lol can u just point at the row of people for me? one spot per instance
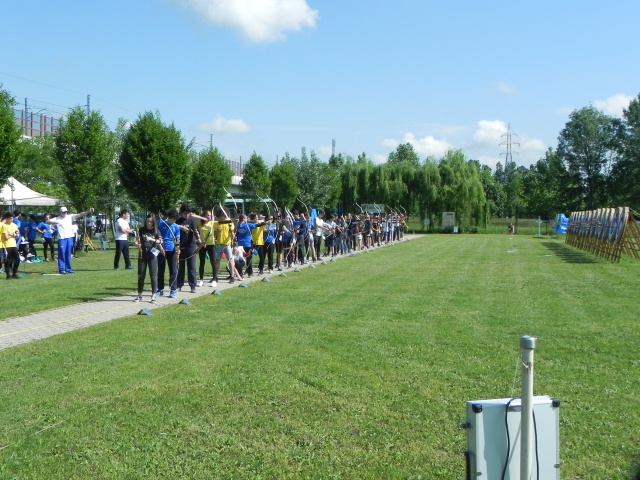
(173, 243)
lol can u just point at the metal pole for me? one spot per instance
(527, 345)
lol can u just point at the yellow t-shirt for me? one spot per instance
(257, 235)
(206, 233)
(223, 231)
(10, 228)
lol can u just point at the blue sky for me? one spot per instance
(272, 76)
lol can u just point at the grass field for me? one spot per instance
(357, 369)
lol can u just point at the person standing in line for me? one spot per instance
(9, 233)
(270, 231)
(47, 236)
(189, 241)
(302, 236)
(224, 229)
(149, 247)
(64, 224)
(122, 240)
(170, 233)
(243, 237)
(318, 233)
(257, 239)
(329, 242)
(205, 229)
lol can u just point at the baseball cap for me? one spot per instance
(63, 209)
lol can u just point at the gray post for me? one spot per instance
(527, 345)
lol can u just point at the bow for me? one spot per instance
(265, 202)
(232, 198)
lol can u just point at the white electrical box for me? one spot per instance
(493, 439)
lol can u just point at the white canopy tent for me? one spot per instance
(16, 194)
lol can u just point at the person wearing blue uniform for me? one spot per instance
(47, 236)
(170, 233)
(270, 231)
(300, 229)
(32, 233)
(245, 240)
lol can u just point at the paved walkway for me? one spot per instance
(16, 331)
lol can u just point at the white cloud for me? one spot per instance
(489, 132)
(505, 88)
(425, 146)
(488, 145)
(224, 125)
(613, 105)
(326, 150)
(257, 20)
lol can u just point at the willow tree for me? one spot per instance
(154, 163)
(427, 191)
(461, 189)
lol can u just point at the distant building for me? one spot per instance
(35, 124)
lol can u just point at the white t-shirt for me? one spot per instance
(65, 226)
(318, 227)
(121, 225)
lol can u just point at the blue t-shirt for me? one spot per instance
(47, 230)
(20, 225)
(32, 233)
(244, 234)
(170, 235)
(300, 227)
(270, 233)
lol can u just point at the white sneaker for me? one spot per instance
(200, 283)
(213, 283)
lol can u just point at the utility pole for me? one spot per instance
(508, 143)
(88, 105)
(509, 172)
(333, 147)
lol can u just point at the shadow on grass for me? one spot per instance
(570, 254)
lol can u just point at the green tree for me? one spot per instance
(462, 190)
(587, 147)
(210, 176)
(284, 183)
(493, 190)
(315, 180)
(427, 190)
(84, 149)
(115, 194)
(624, 185)
(154, 163)
(404, 154)
(10, 135)
(544, 187)
(349, 185)
(255, 177)
(37, 167)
